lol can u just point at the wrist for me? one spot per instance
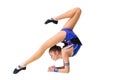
(55, 70)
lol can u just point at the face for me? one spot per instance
(54, 55)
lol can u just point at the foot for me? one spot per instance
(19, 68)
(51, 20)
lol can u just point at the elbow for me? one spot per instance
(66, 71)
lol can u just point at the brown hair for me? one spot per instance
(55, 48)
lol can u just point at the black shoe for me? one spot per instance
(51, 20)
(16, 70)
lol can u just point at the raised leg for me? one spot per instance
(73, 16)
(49, 43)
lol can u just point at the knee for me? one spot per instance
(78, 9)
(43, 47)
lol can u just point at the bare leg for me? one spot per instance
(49, 43)
(73, 14)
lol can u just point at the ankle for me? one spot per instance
(22, 65)
(55, 19)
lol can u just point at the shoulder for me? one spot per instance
(67, 52)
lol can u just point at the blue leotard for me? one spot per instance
(71, 38)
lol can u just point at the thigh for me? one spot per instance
(72, 21)
(60, 36)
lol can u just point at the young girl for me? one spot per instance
(65, 35)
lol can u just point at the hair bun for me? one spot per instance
(55, 48)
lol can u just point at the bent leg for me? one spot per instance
(49, 43)
(73, 14)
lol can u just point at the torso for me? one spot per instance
(68, 39)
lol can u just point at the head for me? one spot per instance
(55, 52)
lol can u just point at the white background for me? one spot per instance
(22, 31)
